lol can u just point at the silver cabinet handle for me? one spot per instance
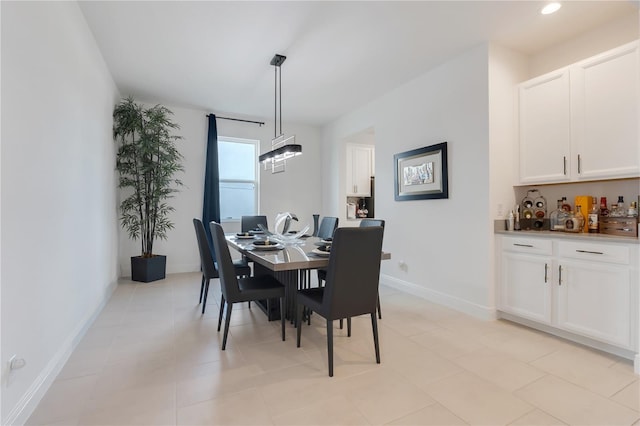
(564, 159)
(590, 252)
(560, 275)
(545, 273)
(523, 245)
(579, 164)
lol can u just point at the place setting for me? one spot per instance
(267, 245)
(323, 249)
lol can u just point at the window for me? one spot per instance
(238, 167)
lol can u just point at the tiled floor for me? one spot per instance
(151, 358)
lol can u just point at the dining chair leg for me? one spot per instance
(227, 320)
(300, 308)
(282, 316)
(201, 288)
(249, 304)
(341, 323)
(206, 293)
(330, 346)
(221, 311)
(379, 310)
(374, 325)
(348, 327)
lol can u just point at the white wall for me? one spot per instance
(298, 189)
(59, 229)
(443, 242)
(613, 34)
(507, 68)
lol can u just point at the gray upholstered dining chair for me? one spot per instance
(364, 223)
(208, 263)
(250, 223)
(328, 225)
(352, 284)
(234, 289)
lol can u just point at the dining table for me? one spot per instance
(290, 262)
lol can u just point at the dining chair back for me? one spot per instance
(351, 283)
(328, 225)
(234, 289)
(206, 257)
(208, 263)
(371, 222)
(249, 223)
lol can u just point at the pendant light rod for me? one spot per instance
(277, 61)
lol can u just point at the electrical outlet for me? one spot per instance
(14, 363)
(8, 371)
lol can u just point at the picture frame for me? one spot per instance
(422, 173)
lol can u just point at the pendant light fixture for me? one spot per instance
(282, 147)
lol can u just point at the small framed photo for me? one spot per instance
(421, 174)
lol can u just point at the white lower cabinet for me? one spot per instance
(527, 289)
(594, 300)
(584, 288)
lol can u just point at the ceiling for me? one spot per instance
(340, 55)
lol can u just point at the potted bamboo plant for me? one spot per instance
(147, 160)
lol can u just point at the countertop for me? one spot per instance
(570, 236)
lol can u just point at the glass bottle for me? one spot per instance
(633, 210)
(557, 219)
(566, 206)
(621, 210)
(614, 210)
(604, 211)
(570, 222)
(593, 222)
(579, 219)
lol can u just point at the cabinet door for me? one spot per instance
(594, 300)
(525, 286)
(359, 170)
(545, 130)
(605, 107)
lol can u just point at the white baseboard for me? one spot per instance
(30, 400)
(636, 364)
(483, 312)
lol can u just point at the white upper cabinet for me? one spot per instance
(581, 122)
(360, 160)
(605, 114)
(545, 131)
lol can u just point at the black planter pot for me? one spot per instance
(147, 269)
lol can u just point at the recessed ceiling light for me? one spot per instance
(551, 8)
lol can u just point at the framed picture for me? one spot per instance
(421, 174)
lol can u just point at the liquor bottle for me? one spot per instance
(604, 211)
(579, 218)
(614, 210)
(633, 210)
(621, 212)
(557, 219)
(594, 223)
(566, 206)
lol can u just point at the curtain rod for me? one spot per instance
(259, 123)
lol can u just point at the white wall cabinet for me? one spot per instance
(360, 168)
(545, 130)
(584, 288)
(581, 122)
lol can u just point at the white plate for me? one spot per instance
(321, 253)
(268, 248)
(245, 237)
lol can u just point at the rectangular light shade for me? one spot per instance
(281, 153)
